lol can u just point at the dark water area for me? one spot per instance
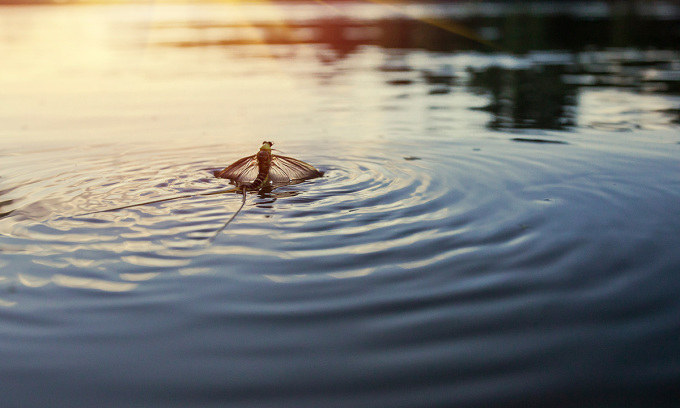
(497, 224)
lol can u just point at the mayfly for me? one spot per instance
(265, 167)
(252, 173)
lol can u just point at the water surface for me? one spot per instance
(495, 227)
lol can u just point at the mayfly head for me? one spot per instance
(266, 146)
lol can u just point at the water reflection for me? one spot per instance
(89, 283)
(75, 282)
(555, 52)
(515, 28)
(527, 98)
(291, 278)
(478, 257)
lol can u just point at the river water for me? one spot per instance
(495, 226)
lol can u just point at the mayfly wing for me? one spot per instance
(285, 169)
(242, 171)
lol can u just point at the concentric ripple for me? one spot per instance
(383, 210)
(364, 210)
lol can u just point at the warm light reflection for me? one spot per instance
(32, 281)
(358, 273)
(449, 26)
(374, 247)
(50, 263)
(7, 303)
(352, 274)
(193, 271)
(285, 278)
(154, 262)
(138, 277)
(439, 258)
(89, 283)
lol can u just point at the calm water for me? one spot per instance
(496, 227)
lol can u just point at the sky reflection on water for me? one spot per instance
(80, 66)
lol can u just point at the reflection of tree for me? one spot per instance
(531, 98)
(517, 30)
(339, 36)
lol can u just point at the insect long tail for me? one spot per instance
(162, 200)
(243, 202)
(242, 189)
